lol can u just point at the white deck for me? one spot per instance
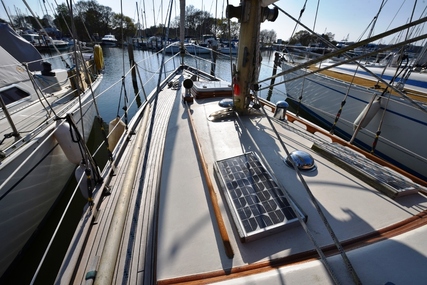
(187, 246)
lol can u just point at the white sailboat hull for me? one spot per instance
(403, 126)
(109, 43)
(36, 176)
(196, 49)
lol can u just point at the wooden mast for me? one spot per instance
(250, 14)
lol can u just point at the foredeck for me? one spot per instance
(192, 250)
(172, 234)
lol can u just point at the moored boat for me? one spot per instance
(37, 103)
(230, 48)
(45, 43)
(109, 40)
(339, 96)
(189, 47)
(172, 48)
(356, 87)
(196, 49)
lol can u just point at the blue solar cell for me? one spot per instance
(258, 205)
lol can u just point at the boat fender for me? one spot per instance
(69, 147)
(98, 57)
(87, 182)
(117, 128)
(370, 114)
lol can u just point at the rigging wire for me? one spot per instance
(147, 81)
(78, 55)
(402, 94)
(38, 92)
(307, 230)
(291, 56)
(232, 68)
(315, 17)
(322, 256)
(123, 86)
(396, 74)
(229, 41)
(36, 273)
(46, 34)
(312, 198)
(343, 102)
(85, 155)
(84, 25)
(346, 49)
(354, 59)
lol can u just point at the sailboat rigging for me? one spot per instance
(207, 191)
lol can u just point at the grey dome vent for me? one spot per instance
(302, 159)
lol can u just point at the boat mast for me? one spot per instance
(137, 33)
(182, 29)
(250, 14)
(154, 15)
(7, 13)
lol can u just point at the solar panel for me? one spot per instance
(255, 200)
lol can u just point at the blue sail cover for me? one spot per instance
(19, 47)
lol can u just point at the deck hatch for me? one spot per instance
(379, 177)
(256, 202)
(210, 89)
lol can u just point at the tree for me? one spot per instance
(198, 22)
(330, 36)
(190, 20)
(63, 19)
(268, 36)
(93, 17)
(222, 31)
(302, 37)
(129, 28)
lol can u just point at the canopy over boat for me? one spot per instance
(19, 48)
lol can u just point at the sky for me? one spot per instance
(344, 18)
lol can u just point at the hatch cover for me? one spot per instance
(255, 200)
(210, 89)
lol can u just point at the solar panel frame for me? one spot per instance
(255, 200)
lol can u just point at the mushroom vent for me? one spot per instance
(302, 159)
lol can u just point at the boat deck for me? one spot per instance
(30, 117)
(172, 234)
